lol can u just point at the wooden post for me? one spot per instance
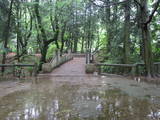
(158, 68)
(137, 70)
(87, 57)
(134, 71)
(14, 70)
(99, 69)
(69, 51)
(92, 58)
(35, 69)
(57, 56)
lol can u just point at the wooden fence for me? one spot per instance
(135, 68)
(34, 70)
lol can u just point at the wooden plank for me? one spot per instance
(135, 67)
(157, 63)
(17, 65)
(35, 67)
(121, 65)
(7, 65)
(24, 65)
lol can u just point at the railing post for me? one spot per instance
(92, 58)
(35, 69)
(137, 70)
(14, 70)
(87, 57)
(98, 69)
(134, 70)
(57, 56)
(69, 51)
(158, 65)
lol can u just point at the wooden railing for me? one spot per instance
(56, 62)
(78, 54)
(135, 70)
(14, 71)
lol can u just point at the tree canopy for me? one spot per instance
(119, 31)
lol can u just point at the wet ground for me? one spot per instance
(69, 94)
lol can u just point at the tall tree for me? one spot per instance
(126, 35)
(45, 40)
(145, 20)
(5, 35)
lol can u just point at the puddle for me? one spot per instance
(69, 98)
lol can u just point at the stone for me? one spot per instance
(46, 67)
(90, 68)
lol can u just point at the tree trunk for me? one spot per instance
(57, 32)
(146, 38)
(108, 26)
(44, 37)
(43, 56)
(6, 35)
(126, 36)
(62, 39)
(75, 43)
(19, 34)
(148, 57)
(82, 47)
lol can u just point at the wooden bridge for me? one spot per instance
(75, 61)
(76, 64)
(75, 67)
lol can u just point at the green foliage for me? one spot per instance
(51, 52)
(87, 27)
(29, 59)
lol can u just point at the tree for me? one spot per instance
(5, 35)
(45, 40)
(126, 36)
(145, 20)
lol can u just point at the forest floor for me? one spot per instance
(69, 94)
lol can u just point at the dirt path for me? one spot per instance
(75, 67)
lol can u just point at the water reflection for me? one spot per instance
(75, 102)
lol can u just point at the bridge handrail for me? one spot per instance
(121, 65)
(56, 61)
(17, 65)
(35, 67)
(134, 67)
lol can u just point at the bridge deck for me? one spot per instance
(75, 67)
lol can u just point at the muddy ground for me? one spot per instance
(69, 94)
